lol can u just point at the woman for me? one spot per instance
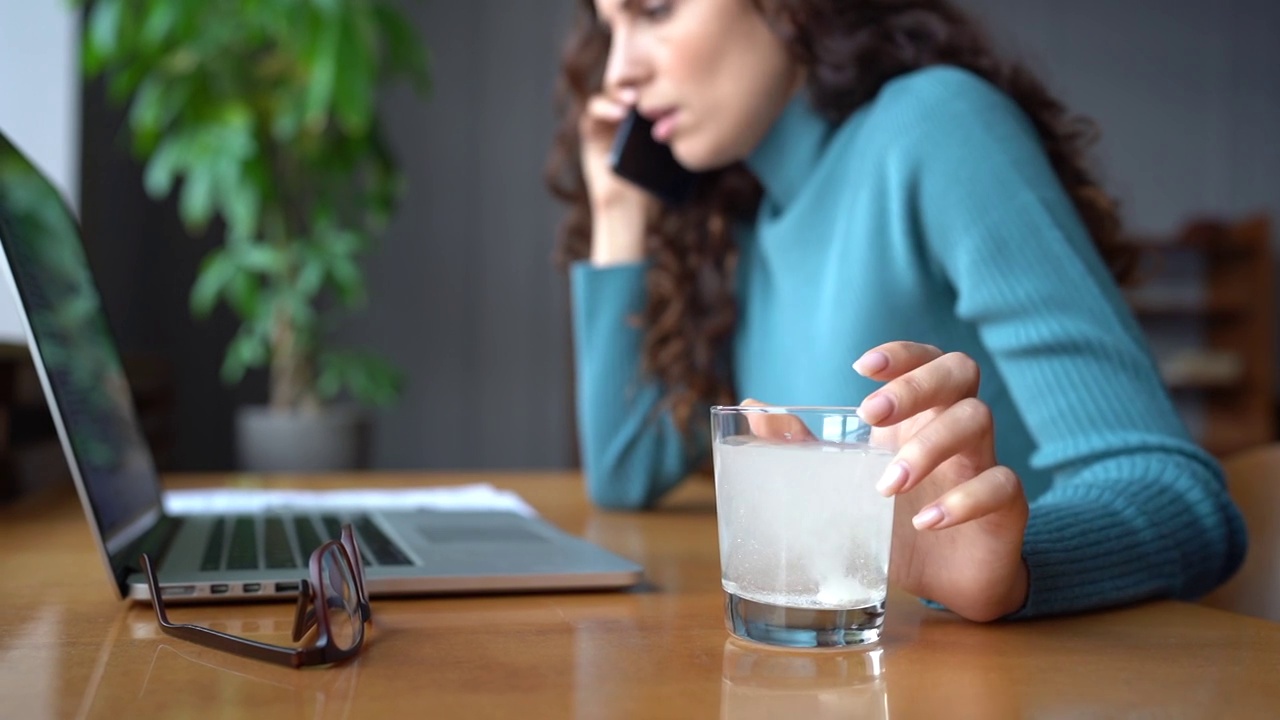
(879, 188)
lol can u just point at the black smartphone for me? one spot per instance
(637, 157)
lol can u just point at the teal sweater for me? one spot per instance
(932, 215)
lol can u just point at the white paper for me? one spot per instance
(221, 501)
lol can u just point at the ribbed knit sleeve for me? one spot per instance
(631, 451)
(1136, 509)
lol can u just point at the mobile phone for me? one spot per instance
(638, 158)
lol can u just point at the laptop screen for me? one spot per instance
(73, 344)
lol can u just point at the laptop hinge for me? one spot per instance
(154, 542)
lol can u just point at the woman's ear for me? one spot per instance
(780, 15)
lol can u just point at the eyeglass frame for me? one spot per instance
(308, 614)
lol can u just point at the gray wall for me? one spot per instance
(1186, 92)
(463, 294)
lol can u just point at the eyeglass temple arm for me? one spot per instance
(291, 657)
(357, 567)
(304, 617)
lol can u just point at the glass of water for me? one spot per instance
(804, 536)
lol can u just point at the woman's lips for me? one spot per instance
(664, 125)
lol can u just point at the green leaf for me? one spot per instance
(301, 310)
(195, 203)
(242, 207)
(161, 18)
(289, 109)
(162, 168)
(248, 350)
(322, 64)
(356, 75)
(311, 276)
(182, 61)
(103, 30)
(328, 386)
(156, 103)
(261, 258)
(123, 82)
(386, 183)
(342, 242)
(243, 293)
(405, 51)
(368, 378)
(347, 279)
(216, 270)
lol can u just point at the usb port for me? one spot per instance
(288, 587)
(251, 587)
(177, 590)
(219, 589)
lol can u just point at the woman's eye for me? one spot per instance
(654, 10)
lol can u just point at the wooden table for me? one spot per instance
(69, 649)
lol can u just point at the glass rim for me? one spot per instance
(786, 409)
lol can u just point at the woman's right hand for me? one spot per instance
(618, 208)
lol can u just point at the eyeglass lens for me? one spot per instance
(338, 593)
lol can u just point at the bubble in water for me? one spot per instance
(801, 524)
(841, 591)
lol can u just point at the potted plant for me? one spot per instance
(261, 117)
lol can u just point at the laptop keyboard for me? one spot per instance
(213, 550)
(253, 545)
(276, 550)
(243, 553)
(375, 543)
(306, 532)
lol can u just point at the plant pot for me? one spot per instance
(330, 438)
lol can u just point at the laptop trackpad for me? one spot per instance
(486, 543)
(483, 532)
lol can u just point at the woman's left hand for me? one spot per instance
(959, 517)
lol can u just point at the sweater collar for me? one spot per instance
(784, 160)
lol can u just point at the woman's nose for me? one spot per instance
(626, 67)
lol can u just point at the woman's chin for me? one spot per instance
(692, 157)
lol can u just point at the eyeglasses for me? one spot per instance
(334, 602)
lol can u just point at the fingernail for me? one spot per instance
(927, 518)
(871, 363)
(876, 409)
(627, 95)
(895, 476)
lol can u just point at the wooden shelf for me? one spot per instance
(1230, 315)
(1216, 307)
(1211, 237)
(1206, 384)
(1224, 435)
(1204, 369)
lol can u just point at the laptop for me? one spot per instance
(240, 557)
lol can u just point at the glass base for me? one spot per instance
(802, 627)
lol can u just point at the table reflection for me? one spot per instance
(30, 664)
(761, 682)
(167, 677)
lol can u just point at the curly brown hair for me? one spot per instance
(850, 49)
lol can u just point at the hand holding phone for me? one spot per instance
(638, 158)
